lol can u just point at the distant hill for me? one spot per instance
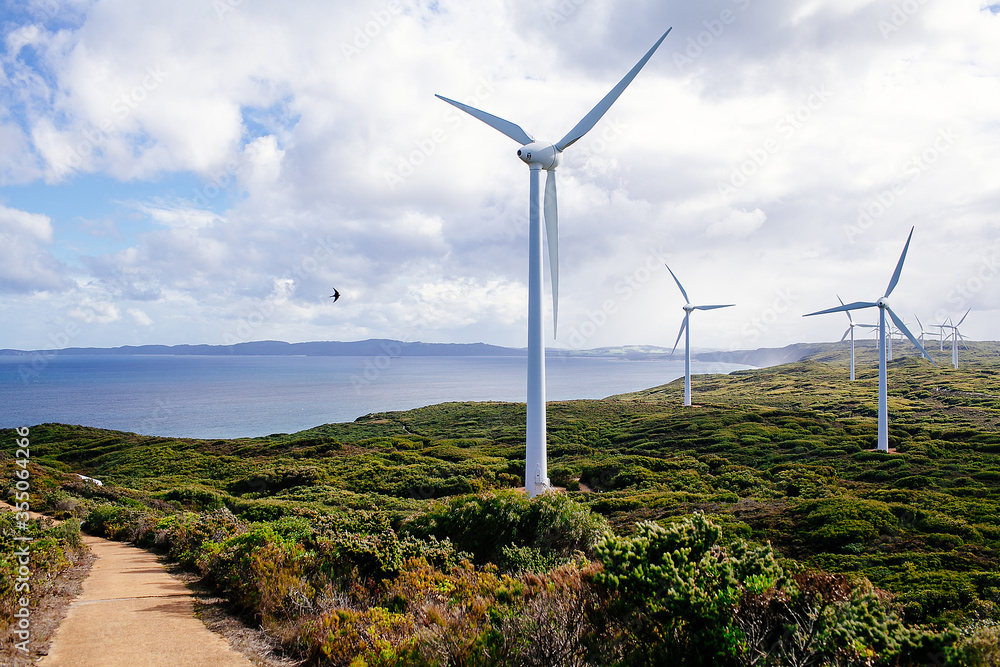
(361, 348)
(381, 346)
(767, 356)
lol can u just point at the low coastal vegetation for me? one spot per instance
(757, 528)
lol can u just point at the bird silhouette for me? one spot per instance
(335, 295)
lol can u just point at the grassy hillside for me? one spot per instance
(780, 456)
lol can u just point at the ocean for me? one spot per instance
(245, 396)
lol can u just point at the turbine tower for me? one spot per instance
(922, 332)
(850, 330)
(883, 307)
(955, 336)
(539, 155)
(686, 332)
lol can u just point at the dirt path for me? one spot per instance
(132, 613)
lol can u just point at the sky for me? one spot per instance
(208, 171)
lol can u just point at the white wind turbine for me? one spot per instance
(850, 330)
(923, 333)
(955, 336)
(883, 307)
(539, 155)
(686, 332)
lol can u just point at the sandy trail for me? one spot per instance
(132, 613)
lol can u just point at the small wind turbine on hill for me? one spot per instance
(686, 332)
(850, 330)
(922, 332)
(955, 336)
(883, 307)
(539, 155)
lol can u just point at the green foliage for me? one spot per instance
(52, 550)
(782, 454)
(487, 523)
(677, 589)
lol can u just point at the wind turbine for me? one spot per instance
(539, 155)
(850, 330)
(955, 336)
(883, 307)
(686, 332)
(922, 332)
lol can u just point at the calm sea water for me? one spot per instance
(234, 396)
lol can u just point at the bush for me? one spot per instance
(675, 590)
(487, 523)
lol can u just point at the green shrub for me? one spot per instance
(675, 590)
(486, 523)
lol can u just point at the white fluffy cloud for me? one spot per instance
(26, 264)
(773, 153)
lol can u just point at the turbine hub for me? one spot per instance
(688, 307)
(882, 303)
(538, 152)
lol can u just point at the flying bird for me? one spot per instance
(335, 295)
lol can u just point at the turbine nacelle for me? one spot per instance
(688, 307)
(544, 155)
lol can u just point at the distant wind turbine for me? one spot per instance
(922, 332)
(850, 330)
(539, 155)
(686, 332)
(955, 336)
(883, 307)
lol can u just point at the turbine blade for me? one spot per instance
(683, 293)
(680, 333)
(902, 327)
(728, 305)
(963, 317)
(505, 126)
(588, 121)
(552, 240)
(846, 312)
(918, 323)
(899, 267)
(850, 306)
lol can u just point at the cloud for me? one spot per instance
(92, 311)
(26, 265)
(140, 317)
(738, 223)
(324, 159)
